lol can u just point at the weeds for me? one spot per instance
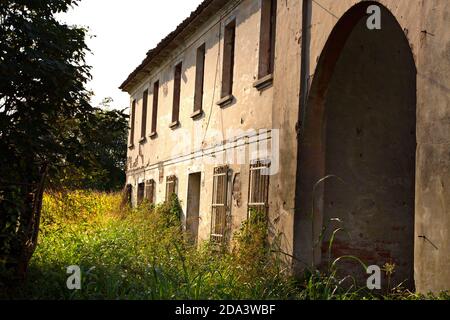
(143, 254)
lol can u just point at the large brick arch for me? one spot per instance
(344, 97)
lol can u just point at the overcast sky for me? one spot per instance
(124, 31)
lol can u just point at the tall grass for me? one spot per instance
(144, 254)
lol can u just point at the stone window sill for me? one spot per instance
(143, 140)
(264, 82)
(225, 101)
(174, 125)
(197, 114)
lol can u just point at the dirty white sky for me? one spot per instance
(124, 31)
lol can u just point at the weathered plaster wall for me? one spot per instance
(178, 151)
(432, 262)
(425, 25)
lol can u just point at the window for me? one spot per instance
(144, 115)
(267, 43)
(133, 114)
(171, 187)
(258, 195)
(150, 191)
(128, 194)
(219, 204)
(199, 81)
(141, 190)
(176, 96)
(228, 63)
(155, 109)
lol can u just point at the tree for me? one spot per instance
(42, 89)
(100, 162)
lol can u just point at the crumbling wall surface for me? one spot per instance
(432, 252)
(284, 118)
(425, 26)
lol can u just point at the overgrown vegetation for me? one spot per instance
(144, 254)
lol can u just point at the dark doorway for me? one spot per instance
(193, 205)
(360, 133)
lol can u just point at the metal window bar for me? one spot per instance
(219, 205)
(258, 198)
(171, 186)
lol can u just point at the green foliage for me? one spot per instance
(143, 254)
(135, 254)
(42, 86)
(100, 162)
(47, 125)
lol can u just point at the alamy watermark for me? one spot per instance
(374, 20)
(74, 280)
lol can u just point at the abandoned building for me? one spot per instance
(312, 111)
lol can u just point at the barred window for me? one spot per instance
(150, 191)
(258, 195)
(171, 187)
(141, 190)
(219, 204)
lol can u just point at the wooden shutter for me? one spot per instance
(155, 107)
(132, 120)
(176, 94)
(267, 37)
(199, 78)
(141, 190)
(228, 59)
(150, 191)
(144, 114)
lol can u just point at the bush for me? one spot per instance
(141, 254)
(144, 254)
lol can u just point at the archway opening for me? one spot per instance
(360, 133)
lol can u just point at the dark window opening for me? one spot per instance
(267, 38)
(258, 195)
(144, 114)
(133, 115)
(128, 194)
(199, 80)
(176, 95)
(150, 191)
(228, 59)
(140, 194)
(219, 205)
(155, 108)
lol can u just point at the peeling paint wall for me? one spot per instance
(201, 144)
(424, 24)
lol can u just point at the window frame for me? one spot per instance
(171, 180)
(260, 182)
(228, 64)
(132, 123)
(154, 132)
(267, 44)
(144, 116)
(177, 74)
(199, 81)
(220, 205)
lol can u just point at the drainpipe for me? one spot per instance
(300, 128)
(305, 59)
